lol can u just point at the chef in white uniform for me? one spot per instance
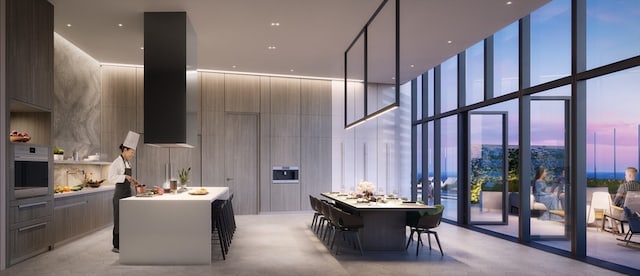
(120, 173)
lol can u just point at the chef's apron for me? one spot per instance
(123, 190)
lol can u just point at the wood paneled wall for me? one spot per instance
(119, 105)
(294, 130)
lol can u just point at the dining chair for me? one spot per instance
(344, 222)
(314, 206)
(424, 222)
(326, 218)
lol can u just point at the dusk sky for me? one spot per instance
(612, 100)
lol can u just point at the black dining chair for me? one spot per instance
(314, 202)
(344, 222)
(424, 222)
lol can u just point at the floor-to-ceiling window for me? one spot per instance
(613, 138)
(449, 166)
(573, 51)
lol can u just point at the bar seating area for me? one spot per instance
(223, 224)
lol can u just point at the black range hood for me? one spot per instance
(170, 80)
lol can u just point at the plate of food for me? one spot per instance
(201, 191)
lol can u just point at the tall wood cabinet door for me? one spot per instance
(30, 51)
(42, 49)
(241, 161)
(18, 51)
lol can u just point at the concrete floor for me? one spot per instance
(283, 244)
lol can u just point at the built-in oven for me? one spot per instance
(285, 175)
(30, 170)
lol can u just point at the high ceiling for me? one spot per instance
(311, 39)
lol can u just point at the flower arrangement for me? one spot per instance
(366, 188)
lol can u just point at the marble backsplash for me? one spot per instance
(77, 96)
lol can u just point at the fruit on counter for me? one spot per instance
(157, 190)
(66, 188)
(77, 187)
(16, 136)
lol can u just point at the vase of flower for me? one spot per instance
(366, 189)
(183, 175)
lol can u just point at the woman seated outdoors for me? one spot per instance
(549, 199)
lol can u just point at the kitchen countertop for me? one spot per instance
(169, 229)
(214, 193)
(85, 190)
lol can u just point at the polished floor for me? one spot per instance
(283, 244)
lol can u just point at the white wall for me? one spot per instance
(378, 151)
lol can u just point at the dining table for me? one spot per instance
(384, 220)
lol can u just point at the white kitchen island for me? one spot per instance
(169, 229)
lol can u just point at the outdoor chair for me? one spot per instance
(617, 215)
(634, 226)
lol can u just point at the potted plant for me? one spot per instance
(58, 153)
(183, 174)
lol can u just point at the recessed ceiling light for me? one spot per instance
(393, 78)
(271, 47)
(141, 47)
(412, 65)
(449, 41)
(120, 25)
(275, 24)
(509, 2)
(291, 70)
(233, 66)
(68, 25)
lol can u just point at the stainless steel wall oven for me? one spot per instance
(30, 170)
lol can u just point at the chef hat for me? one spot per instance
(132, 140)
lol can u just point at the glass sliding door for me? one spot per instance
(488, 167)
